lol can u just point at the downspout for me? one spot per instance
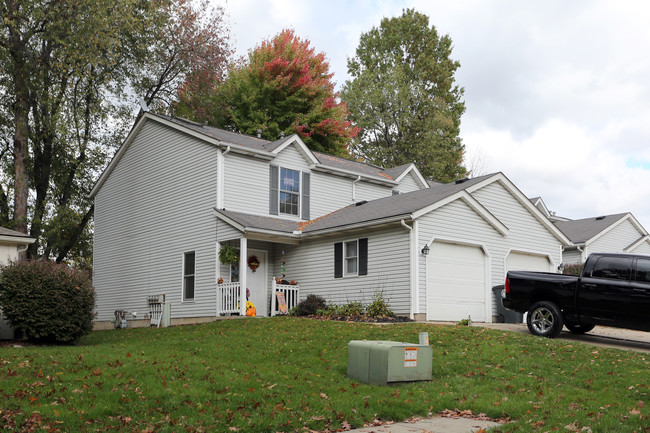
(412, 258)
(221, 177)
(354, 189)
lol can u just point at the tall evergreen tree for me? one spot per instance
(403, 97)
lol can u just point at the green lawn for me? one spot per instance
(288, 374)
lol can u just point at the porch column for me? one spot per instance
(243, 258)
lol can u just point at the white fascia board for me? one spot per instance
(540, 201)
(16, 240)
(521, 198)
(252, 230)
(636, 244)
(474, 204)
(418, 175)
(228, 220)
(377, 222)
(302, 147)
(352, 174)
(628, 217)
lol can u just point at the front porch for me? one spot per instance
(229, 298)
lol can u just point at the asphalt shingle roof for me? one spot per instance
(359, 213)
(580, 231)
(8, 232)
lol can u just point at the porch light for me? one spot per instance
(425, 250)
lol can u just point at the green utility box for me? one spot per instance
(381, 362)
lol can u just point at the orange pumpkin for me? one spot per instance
(251, 312)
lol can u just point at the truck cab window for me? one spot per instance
(643, 270)
(615, 268)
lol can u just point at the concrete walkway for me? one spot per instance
(432, 425)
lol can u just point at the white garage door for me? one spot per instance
(527, 262)
(455, 282)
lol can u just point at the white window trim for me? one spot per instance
(183, 299)
(345, 257)
(299, 193)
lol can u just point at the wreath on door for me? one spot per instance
(253, 263)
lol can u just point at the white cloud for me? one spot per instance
(557, 92)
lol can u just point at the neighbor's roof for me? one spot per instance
(582, 230)
(12, 233)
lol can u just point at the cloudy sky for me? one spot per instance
(557, 92)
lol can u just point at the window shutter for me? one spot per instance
(338, 260)
(305, 196)
(273, 189)
(363, 256)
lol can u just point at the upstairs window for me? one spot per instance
(289, 191)
(351, 257)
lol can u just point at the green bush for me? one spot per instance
(310, 305)
(46, 301)
(379, 307)
(573, 269)
(351, 309)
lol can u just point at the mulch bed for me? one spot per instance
(364, 319)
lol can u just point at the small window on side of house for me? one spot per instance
(351, 253)
(189, 270)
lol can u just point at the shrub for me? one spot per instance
(379, 307)
(354, 308)
(573, 269)
(46, 301)
(310, 305)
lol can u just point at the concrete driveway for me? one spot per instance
(600, 336)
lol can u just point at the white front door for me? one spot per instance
(257, 282)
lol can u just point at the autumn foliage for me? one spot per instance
(285, 87)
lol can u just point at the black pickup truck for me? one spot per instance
(613, 290)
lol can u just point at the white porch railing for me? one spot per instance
(228, 295)
(291, 296)
(228, 298)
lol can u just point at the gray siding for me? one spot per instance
(615, 240)
(155, 205)
(328, 193)
(312, 265)
(644, 248)
(409, 184)
(246, 184)
(371, 191)
(572, 257)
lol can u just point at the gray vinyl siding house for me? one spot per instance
(176, 192)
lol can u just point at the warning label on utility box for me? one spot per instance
(410, 357)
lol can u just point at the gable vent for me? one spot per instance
(600, 218)
(361, 203)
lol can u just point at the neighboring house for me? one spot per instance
(619, 233)
(12, 243)
(177, 191)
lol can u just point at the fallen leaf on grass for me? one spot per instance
(323, 396)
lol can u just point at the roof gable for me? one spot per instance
(302, 148)
(587, 230)
(400, 172)
(523, 200)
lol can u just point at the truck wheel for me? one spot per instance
(579, 328)
(544, 319)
